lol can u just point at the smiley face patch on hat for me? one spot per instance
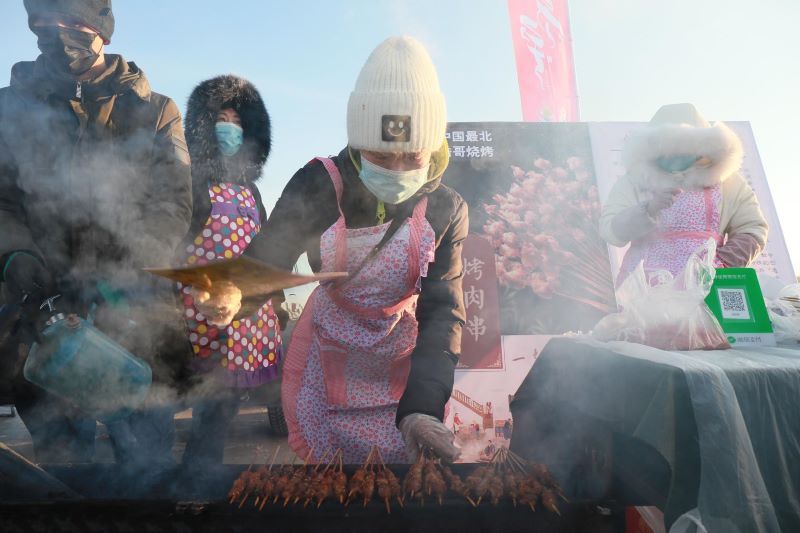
(396, 104)
(396, 128)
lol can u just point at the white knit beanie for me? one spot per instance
(396, 105)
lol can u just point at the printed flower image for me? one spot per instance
(535, 201)
(544, 229)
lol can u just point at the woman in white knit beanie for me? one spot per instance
(371, 359)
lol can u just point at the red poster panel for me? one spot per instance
(480, 339)
(543, 50)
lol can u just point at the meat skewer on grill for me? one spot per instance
(478, 483)
(496, 487)
(394, 487)
(547, 479)
(322, 487)
(510, 485)
(240, 485)
(312, 484)
(360, 480)
(412, 484)
(432, 480)
(508, 476)
(368, 487)
(282, 481)
(297, 481)
(251, 481)
(387, 484)
(340, 482)
(456, 485)
(384, 492)
(264, 487)
(549, 501)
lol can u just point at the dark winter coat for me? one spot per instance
(95, 179)
(307, 208)
(210, 166)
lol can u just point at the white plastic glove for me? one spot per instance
(662, 199)
(219, 305)
(638, 220)
(425, 431)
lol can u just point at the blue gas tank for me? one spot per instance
(81, 364)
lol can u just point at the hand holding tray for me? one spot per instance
(252, 277)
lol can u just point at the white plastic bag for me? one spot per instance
(665, 312)
(784, 312)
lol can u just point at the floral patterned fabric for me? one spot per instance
(350, 355)
(682, 229)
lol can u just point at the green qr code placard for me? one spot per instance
(733, 304)
(736, 300)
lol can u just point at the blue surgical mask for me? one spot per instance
(229, 137)
(392, 186)
(676, 163)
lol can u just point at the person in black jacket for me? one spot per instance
(378, 350)
(228, 134)
(94, 185)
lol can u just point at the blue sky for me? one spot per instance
(734, 59)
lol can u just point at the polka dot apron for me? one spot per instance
(247, 350)
(349, 359)
(681, 230)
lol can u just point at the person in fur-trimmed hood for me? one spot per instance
(681, 187)
(228, 134)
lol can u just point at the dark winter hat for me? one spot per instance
(201, 111)
(96, 14)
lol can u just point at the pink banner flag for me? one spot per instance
(543, 49)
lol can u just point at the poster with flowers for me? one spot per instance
(535, 265)
(533, 196)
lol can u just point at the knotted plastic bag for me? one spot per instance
(667, 312)
(784, 312)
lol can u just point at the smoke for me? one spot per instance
(105, 187)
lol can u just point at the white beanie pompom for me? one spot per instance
(397, 105)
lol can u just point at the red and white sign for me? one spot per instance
(543, 49)
(480, 337)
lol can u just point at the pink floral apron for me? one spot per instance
(248, 349)
(349, 359)
(682, 228)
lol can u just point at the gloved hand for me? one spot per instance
(25, 274)
(662, 199)
(424, 431)
(740, 250)
(632, 223)
(220, 304)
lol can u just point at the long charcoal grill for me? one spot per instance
(115, 501)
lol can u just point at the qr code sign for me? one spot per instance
(733, 304)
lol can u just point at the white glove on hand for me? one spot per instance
(425, 431)
(221, 304)
(661, 200)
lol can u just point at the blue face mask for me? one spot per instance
(676, 163)
(230, 137)
(392, 186)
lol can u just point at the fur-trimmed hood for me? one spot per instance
(679, 129)
(208, 163)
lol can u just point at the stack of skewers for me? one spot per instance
(508, 476)
(794, 301)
